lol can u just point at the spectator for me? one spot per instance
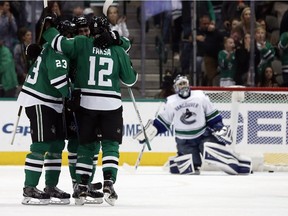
(78, 11)
(283, 45)
(167, 86)
(22, 64)
(8, 78)
(226, 62)
(213, 43)
(204, 22)
(8, 25)
(264, 53)
(37, 6)
(231, 10)
(117, 23)
(16, 7)
(268, 78)
(245, 22)
(234, 22)
(210, 40)
(242, 57)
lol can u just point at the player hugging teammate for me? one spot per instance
(90, 92)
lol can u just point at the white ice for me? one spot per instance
(151, 191)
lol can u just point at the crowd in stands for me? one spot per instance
(222, 35)
(17, 32)
(223, 42)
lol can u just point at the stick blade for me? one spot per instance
(106, 5)
(128, 168)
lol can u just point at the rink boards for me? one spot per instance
(260, 130)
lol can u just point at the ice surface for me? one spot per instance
(151, 191)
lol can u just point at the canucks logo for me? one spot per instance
(188, 117)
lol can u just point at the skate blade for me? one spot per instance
(34, 201)
(79, 201)
(90, 200)
(57, 201)
(110, 201)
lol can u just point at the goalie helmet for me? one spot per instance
(181, 86)
(99, 24)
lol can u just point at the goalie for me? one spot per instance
(199, 132)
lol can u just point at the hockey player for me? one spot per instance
(99, 69)
(68, 29)
(42, 96)
(199, 131)
(82, 26)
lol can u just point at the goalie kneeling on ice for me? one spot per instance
(225, 159)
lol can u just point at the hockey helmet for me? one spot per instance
(80, 22)
(66, 28)
(181, 86)
(99, 24)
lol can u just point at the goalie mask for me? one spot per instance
(99, 25)
(181, 86)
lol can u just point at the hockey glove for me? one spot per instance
(224, 135)
(33, 51)
(106, 39)
(151, 132)
(116, 38)
(51, 20)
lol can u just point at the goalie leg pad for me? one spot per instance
(182, 165)
(245, 165)
(173, 165)
(221, 157)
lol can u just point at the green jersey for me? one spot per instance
(46, 82)
(99, 72)
(227, 66)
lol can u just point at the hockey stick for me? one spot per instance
(45, 4)
(133, 169)
(16, 124)
(139, 118)
(125, 165)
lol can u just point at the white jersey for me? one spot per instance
(190, 116)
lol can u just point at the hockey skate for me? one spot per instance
(57, 196)
(33, 196)
(94, 196)
(110, 195)
(80, 194)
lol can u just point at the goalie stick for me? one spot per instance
(139, 118)
(133, 169)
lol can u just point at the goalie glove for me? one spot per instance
(151, 132)
(224, 135)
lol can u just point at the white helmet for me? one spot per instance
(181, 86)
